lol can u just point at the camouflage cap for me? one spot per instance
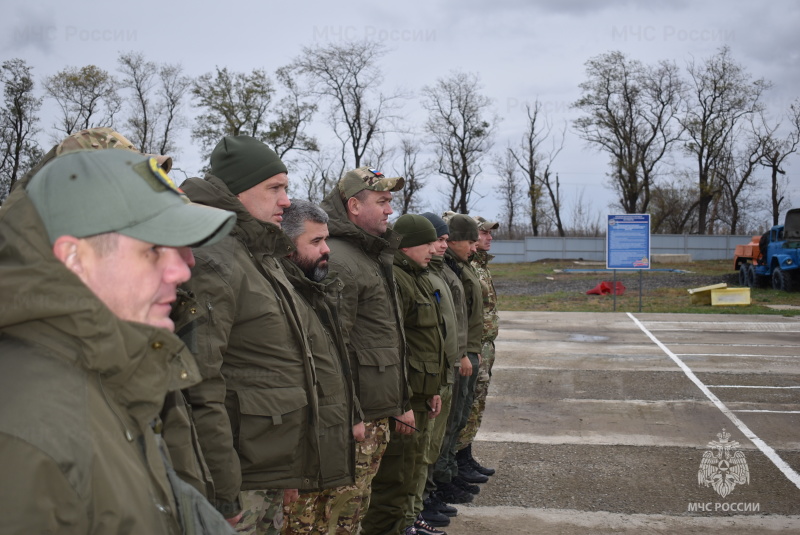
(105, 138)
(485, 224)
(366, 177)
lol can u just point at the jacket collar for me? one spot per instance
(258, 236)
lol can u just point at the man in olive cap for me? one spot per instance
(92, 249)
(480, 262)
(403, 470)
(257, 410)
(362, 253)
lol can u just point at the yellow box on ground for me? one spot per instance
(730, 297)
(702, 295)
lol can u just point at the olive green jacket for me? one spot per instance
(424, 327)
(454, 316)
(80, 395)
(369, 315)
(334, 381)
(473, 297)
(256, 411)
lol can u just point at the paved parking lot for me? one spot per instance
(600, 423)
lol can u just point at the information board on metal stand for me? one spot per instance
(628, 246)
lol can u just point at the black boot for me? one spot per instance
(466, 471)
(432, 515)
(476, 465)
(441, 506)
(463, 485)
(449, 493)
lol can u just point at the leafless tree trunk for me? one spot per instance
(461, 133)
(407, 201)
(348, 77)
(629, 110)
(775, 151)
(721, 96)
(18, 124)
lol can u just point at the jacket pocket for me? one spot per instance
(271, 427)
(423, 377)
(379, 379)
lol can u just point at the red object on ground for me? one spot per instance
(607, 288)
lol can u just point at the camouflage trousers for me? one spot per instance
(348, 504)
(262, 512)
(311, 513)
(467, 434)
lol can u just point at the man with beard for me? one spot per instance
(306, 224)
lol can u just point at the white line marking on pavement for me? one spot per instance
(787, 470)
(735, 355)
(771, 412)
(753, 386)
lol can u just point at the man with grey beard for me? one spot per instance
(306, 224)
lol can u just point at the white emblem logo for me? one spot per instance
(722, 467)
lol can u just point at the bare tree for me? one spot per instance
(415, 173)
(347, 76)
(316, 174)
(294, 113)
(158, 92)
(234, 104)
(673, 206)
(629, 111)
(18, 124)
(736, 178)
(87, 96)
(509, 188)
(535, 160)
(462, 129)
(775, 150)
(721, 96)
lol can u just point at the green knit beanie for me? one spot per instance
(462, 227)
(243, 162)
(415, 229)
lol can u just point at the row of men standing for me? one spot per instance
(299, 362)
(323, 395)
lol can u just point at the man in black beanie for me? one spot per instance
(257, 410)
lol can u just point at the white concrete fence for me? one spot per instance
(532, 249)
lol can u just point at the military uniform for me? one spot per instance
(257, 410)
(374, 338)
(480, 261)
(311, 512)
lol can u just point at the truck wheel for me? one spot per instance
(781, 280)
(743, 275)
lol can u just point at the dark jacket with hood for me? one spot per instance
(80, 395)
(256, 410)
(334, 382)
(369, 312)
(424, 327)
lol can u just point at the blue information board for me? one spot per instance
(628, 241)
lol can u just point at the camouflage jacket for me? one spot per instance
(480, 262)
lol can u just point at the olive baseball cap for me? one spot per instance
(90, 192)
(105, 138)
(366, 177)
(485, 224)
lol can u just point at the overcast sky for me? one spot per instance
(521, 50)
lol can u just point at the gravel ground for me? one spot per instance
(581, 282)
